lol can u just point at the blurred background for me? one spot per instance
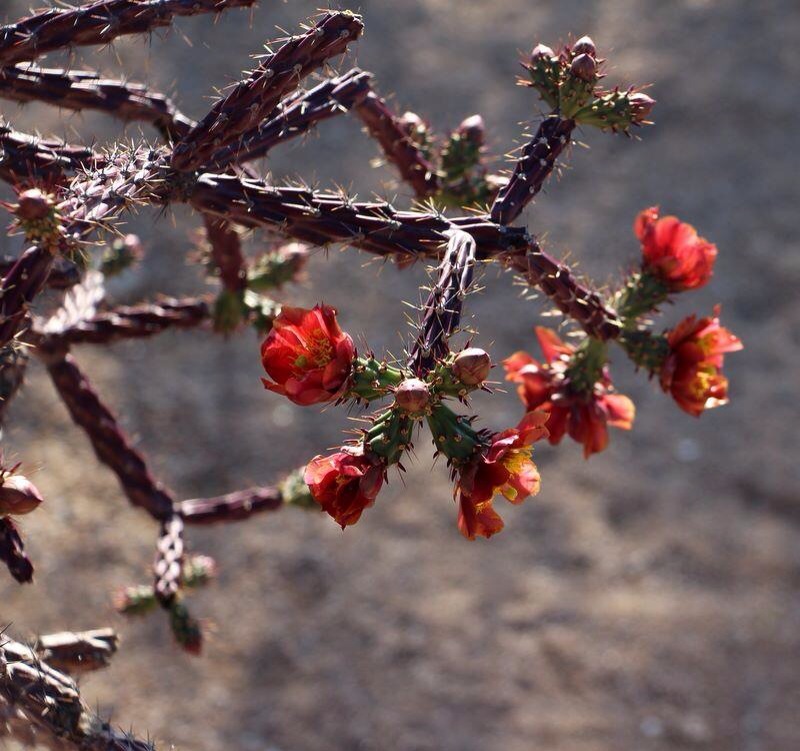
(646, 599)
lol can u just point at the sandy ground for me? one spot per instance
(648, 599)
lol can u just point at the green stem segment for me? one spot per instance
(372, 379)
(453, 434)
(646, 350)
(390, 435)
(587, 365)
(642, 294)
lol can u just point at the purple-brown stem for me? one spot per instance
(574, 299)
(130, 322)
(232, 507)
(168, 565)
(86, 90)
(98, 22)
(63, 273)
(50, 702)
(323, 217)
(77, 652)
(398, 147)
(441, 313)
(13, 366)
(226, 253)
(109, 441)
(295, 116)
(12, 552)
(533, 167)
(26, 278)
(25, 158)
(254, 99)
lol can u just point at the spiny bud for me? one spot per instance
(18, 496)
(33, 204)
(641, 105)
(584, 67)
(584, 46)
(186, 629)
(136, 600)
(295, 492)
(278, 267)
(472, 366)
(540, 51)
(412, 396)
(121, 255)
(473, 130)
(295, 256)
(227, 311)
(199, 570)
(415, 128)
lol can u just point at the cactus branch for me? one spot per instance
(50, 702)
(277, 75)
(26, 278)
(295, 116)
(63, 273)
(168, 566)
(78, 652)
(129, 322)
(110, 443)
(98, 22)
(232, 507)
(441, 313)
(574, 299)
(26, 158)
(12, 552)
(533, 167)
(86, 90)
(398, 147)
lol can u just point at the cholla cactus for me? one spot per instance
(70, 198)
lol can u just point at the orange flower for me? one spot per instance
(345, 483)
(504, 466)
(673, 251)
(584, 416)
(307, 355)
(692, 372)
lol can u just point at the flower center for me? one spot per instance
(319, 351)
(704, 382)
(517, 460)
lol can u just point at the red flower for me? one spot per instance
(673, 251)
(307, 355)
(344, 483)
(585, 416)
(504, 466)
(692, 372)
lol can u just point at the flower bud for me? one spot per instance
(584, 67)
(412, 395)
(540, 51)
(584, 46)
(18, 496)
(136, 600)
(294, 256)
(641, 106)
(473, 130)
(33, 204)
(472, 366)
(186, 629)
(123, 253)
(199, 570)
(414, 127)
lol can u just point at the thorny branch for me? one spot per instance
(82, 191)
(42, 705)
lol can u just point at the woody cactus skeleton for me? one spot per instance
(69, 198)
